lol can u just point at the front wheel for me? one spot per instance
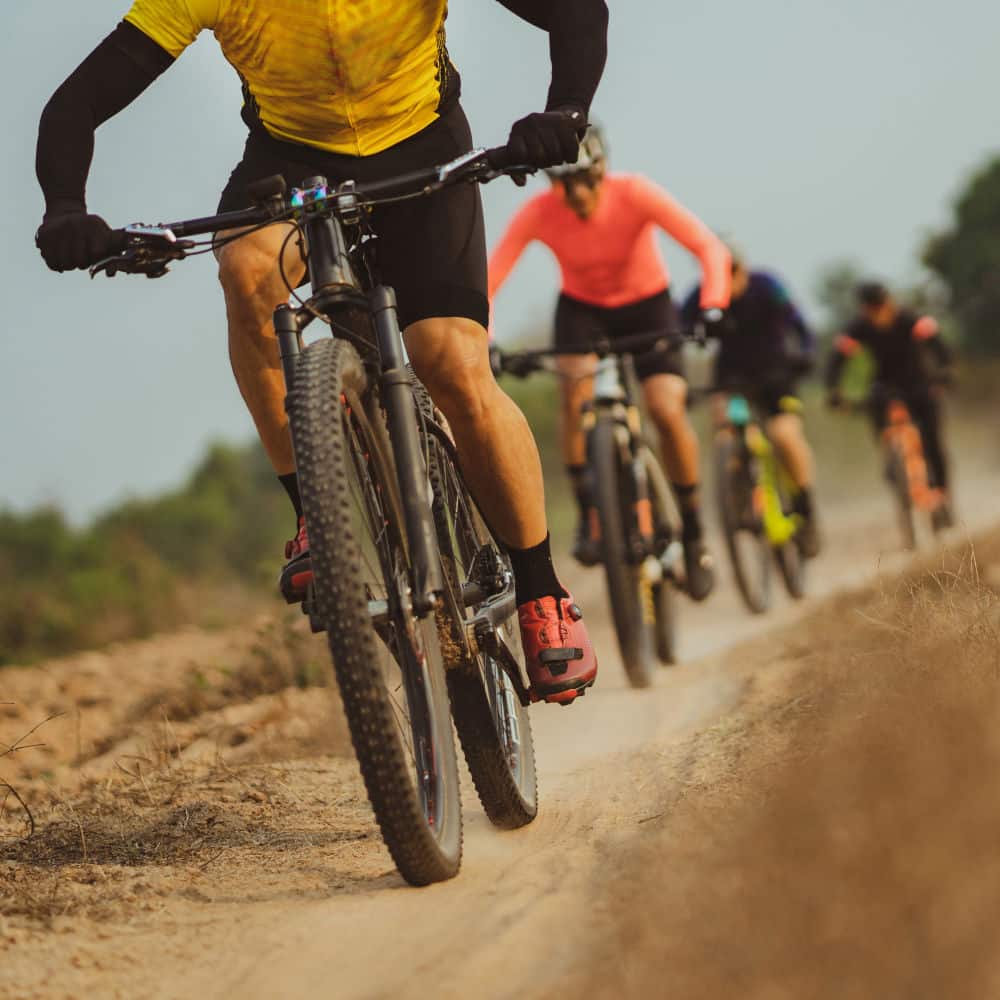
(791, 563)
(899, 482)
(388, 660)
(742, 525)
(629, 589)
(664, 591)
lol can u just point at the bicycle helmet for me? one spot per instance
(593, 154)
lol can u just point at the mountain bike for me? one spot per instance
(908, 476)
(415, 595)
(634, 518)
(755, 494)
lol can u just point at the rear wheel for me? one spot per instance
(491, 720)
(629, 589)
(387, 659)
(746, 542)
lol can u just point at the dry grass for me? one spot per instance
(206, 757)
(838, 837)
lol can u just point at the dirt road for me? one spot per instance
(207, 844)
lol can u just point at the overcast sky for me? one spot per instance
(805, 129)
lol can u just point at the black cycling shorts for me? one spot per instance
(431, 250)
(579, 324)
(771, 394)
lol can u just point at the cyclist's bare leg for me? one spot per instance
(500, 462)
(666, 401)
(251, 281)
(576, 389)
(495, 444)
(788, 436)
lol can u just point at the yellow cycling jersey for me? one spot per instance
(348, 76)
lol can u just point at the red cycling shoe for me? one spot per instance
(560, 659)
(297, 575)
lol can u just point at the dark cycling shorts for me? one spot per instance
(579, 324)
(431, 250)
(770, 396)
(923, 408)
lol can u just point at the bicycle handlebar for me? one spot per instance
(520, 364)
(148, 250)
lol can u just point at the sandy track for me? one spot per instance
(297, 898)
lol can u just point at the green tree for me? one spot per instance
(967, 259)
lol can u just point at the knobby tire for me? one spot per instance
(333, 451)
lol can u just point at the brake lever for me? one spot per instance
(140, 257)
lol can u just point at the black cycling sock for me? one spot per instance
(291, 484)
(691, 530)
(687, 500)
(580, 480)
(803, 503)
(534, 574)
(687, 496)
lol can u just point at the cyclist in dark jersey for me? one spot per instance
(912, 363)
(358, 91)
(765, 346)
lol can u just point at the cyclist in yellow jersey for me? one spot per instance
(356, 89)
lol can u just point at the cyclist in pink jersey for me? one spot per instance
(602, 230)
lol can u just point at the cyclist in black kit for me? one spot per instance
(912, 363)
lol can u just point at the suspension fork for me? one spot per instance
(414, 483)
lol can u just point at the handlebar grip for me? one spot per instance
(499, 158)
(117, 240)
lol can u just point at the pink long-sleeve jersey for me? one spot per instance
(612, 259)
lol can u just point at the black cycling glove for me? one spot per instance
(75, 240)
(547, 138)
(710, 323)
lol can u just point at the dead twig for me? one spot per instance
(11, 790)
(19, 744)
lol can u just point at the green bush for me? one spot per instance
(63, 588)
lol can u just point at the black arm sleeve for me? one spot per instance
(109, 79)
(578, 46)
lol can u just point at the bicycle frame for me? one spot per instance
(321, 212)
(779, 527)
(613, 393)
(335, 288)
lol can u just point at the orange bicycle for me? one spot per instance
(907, 472)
